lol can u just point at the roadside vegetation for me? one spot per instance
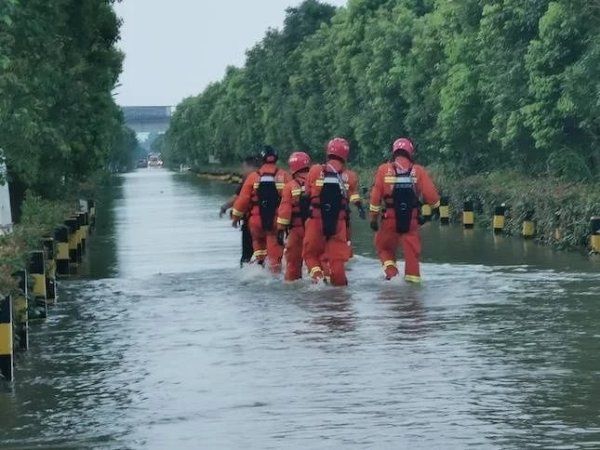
(60, 127)
(501, 97)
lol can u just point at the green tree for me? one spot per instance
(58, 67)
(478, 84)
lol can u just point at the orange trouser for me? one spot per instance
(293, 254)
(265, 245)
(334, 250)
(387, 241)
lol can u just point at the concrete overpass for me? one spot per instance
(146, 120)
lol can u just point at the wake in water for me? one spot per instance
(450, 282)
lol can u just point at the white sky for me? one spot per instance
(174, 48)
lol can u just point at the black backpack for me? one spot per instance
(268, 200)
(405, 200)
(332, 198)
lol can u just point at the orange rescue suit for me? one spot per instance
(291, 217)
(264, 242)
(387, 239)
(319, 248)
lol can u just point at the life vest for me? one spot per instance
(267, 198)
(331, 202)
(301, 208)
(403, 198)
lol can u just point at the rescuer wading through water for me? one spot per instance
(260, 197)
(331, 190)
(249, 165)
(293, 213)
(395, 198)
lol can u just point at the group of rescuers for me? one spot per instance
(304, 214)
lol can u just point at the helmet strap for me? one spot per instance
(337, 158)
(402, 153)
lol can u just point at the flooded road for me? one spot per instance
(168, 345)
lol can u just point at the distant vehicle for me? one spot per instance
(154, 160)
(142, 163)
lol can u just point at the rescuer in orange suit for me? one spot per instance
(353, 177)
(260, 197)
(249, 165)
(399, 187)
(293, 213)
(331, 190)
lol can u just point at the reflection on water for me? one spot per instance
(406, 309)
(168, 344)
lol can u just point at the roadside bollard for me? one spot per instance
(71, 224)
(595, 237)
(61, 235)
(528, 226)
(84, 208)
(468, 215)
(78, 253)
(21, 306)
(81, 231)
(499, 219)
(426, 212)
(92, 212)
(6, 339)
(37, 272)
(444, 211)
(79, 234)
(50, 251)
(86, 229)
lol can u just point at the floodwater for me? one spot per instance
(167, 344)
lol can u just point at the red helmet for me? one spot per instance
(404, 144)
(339, 147)
(298, 161)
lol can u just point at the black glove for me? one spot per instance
(361, 211)
(281, 237)
(375, 224)
(223, 210)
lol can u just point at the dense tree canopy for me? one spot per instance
(479, 84)
(58, 67)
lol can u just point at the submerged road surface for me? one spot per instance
(168, 345)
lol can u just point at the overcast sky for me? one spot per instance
(174, 48)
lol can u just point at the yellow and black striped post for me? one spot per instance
(61, 236)
(78, 253)
(468, 215)
(50, 253)
(92, 212)
(71, 224)
(6, 339)
(426, 212)
(499, 220)
(37, 272)
(82, 232)
(21, 307)
(595, 236)
(444, 211)
(528, 225)
(85, 228)
(79, 232)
